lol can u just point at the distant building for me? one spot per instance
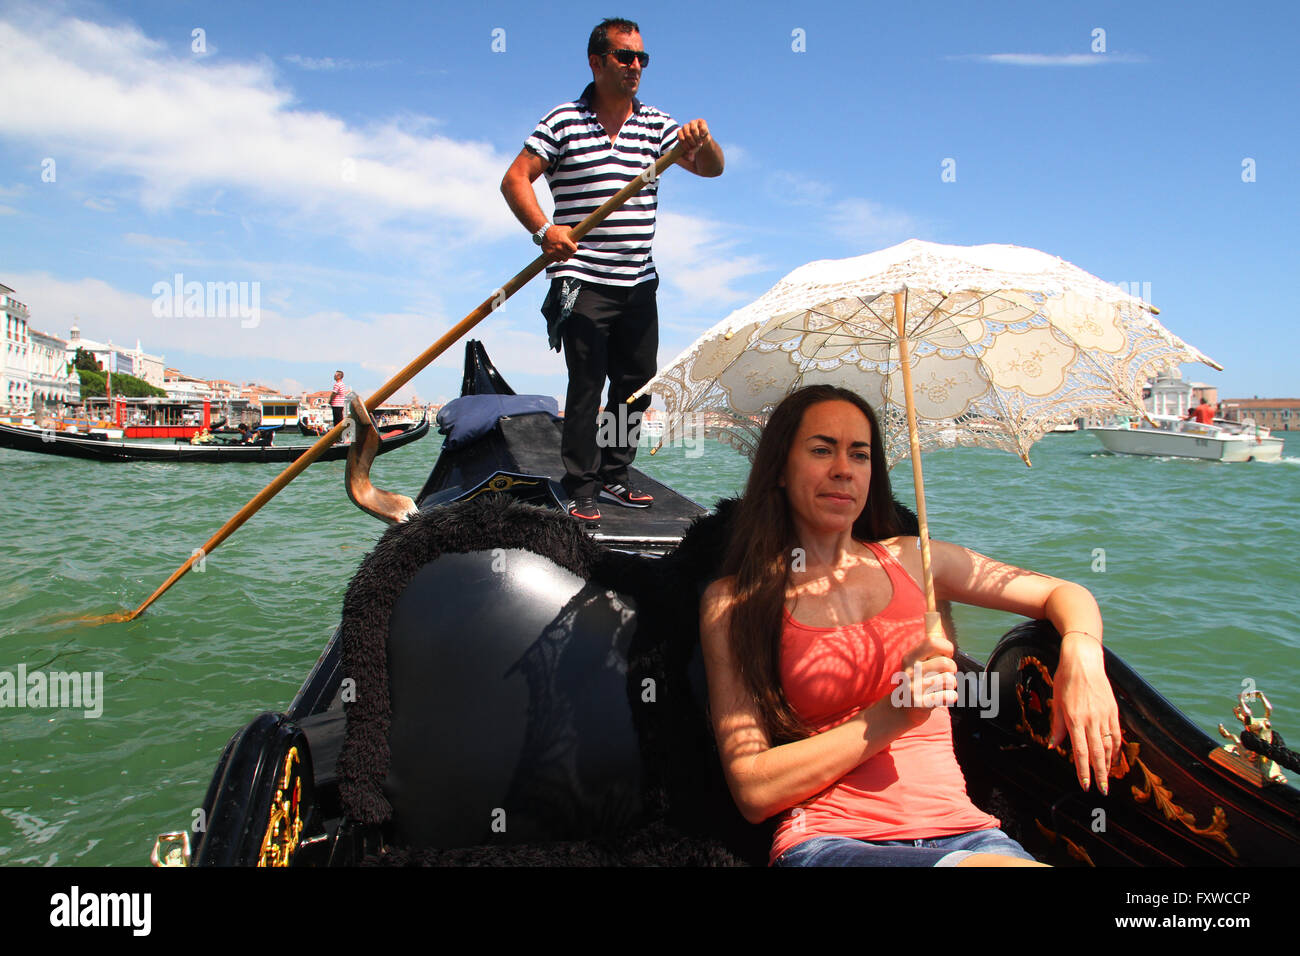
(1278, 414)
(119, 358)
(223, 388)
(54, 382)
(15, 379)
(1170, 394)
(257, 393)
(187, 390)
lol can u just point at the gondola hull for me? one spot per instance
(54, 443)
(505, 688)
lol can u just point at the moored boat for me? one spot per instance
(50, 442)
(505, 687)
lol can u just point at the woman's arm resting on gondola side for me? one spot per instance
(1085, 705)
(764, 780)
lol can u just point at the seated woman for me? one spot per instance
(819, 618)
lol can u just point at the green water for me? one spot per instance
(1198, 593)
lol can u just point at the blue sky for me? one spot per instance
(346, 158)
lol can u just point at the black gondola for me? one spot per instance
(48, 442)
(518, 690)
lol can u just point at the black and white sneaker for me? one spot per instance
(585, 510)
(628, 497)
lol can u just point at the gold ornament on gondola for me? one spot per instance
(284, 828)
(1255, 767)
(1072, 848)
(1034, 695)
(499, 484)
(1154, 790)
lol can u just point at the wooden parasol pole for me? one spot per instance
(933, 623)
(486, 308)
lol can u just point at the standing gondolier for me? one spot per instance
(338, 397)
(601, 303)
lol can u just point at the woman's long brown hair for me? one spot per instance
(761, 545)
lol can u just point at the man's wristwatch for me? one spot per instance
(540, 235)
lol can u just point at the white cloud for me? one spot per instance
(118, 103)
(518, 346)
(868, 225)
(694, 256)
(1053, 59)
(160, 243)
(330, 63)
(862, 223)
(796, 189)
(100, 205)
(290, 387)
(8, 211)
(735, 155)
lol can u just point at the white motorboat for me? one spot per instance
(1168, 436)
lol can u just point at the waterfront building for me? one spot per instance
(185, 389)
(1277, 414)
(1170, 394)
(119, 358)
(54, 382)
(15, 380)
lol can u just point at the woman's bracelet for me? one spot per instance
(1077, 631)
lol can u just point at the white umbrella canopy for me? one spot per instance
(1005, 342)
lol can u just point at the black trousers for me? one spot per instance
(612, 333)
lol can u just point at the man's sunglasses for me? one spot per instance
(626, 57)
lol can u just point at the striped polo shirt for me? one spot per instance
(583, 169)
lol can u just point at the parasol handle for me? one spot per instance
(932, 624)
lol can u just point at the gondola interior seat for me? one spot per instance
(526, 695)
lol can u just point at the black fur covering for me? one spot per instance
(690, 817)
(486, 522)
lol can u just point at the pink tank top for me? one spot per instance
(912, 789)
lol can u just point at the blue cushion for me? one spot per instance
(470, 417)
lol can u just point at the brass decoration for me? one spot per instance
(1078, 852)
(171, 849)
(285, 825)
(385, 505)
(500, 483)
(1034, 695)
(1154, 790)
(1122, 761)
(1255, 767)
(1033, 692)
(1072, 848)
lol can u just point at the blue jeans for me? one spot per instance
(936, 851)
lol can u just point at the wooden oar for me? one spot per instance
(486, 308)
